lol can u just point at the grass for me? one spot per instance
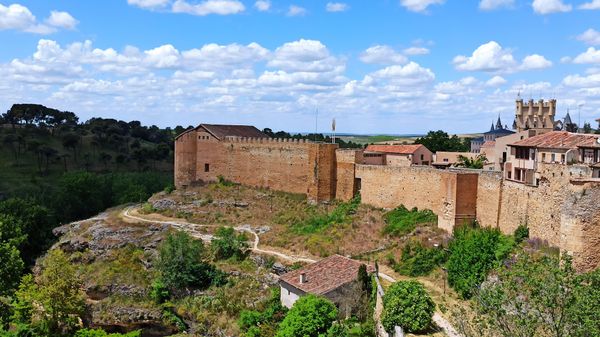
(401, 221)
(318, 222)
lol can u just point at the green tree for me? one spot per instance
(227, 244)
(181, 263)
(440, 141)
(472, 163)
(102, 333)
(11, 230)
(311, 316)
(53, 301)
(407, 304)
(11, 267)
(473, 252)
(587, 127)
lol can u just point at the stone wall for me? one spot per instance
(421, 187)
(489, 189)
(280, 164)
(346, 161)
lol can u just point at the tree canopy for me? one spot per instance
(311, 316)
(440, 141)
(407, 304)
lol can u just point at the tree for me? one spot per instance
(407, 304)
(181, 263)
(11, 267)
(587, 127)
(227, 243)
(473, 252)
(440, 141)
(472, 163)
(71, 141)
(53, 300)
(311, 316)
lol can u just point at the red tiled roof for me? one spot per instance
(222, 131)
(396, 149)
(559, 140)
(325, 275)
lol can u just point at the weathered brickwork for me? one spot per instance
(561, 210)
(421, 187)
(285, 165)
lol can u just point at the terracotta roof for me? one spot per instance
(222, 131)
(559, 140)
(396, 149)
(489, 143)
(325, 275)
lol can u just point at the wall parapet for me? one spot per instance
(265, 140)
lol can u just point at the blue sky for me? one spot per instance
(389, 66)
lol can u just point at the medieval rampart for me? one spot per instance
(422, 187)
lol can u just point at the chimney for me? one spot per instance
(302, 277)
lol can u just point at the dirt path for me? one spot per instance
(192, 229)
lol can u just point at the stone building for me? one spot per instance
(538, 116)
(335, 278)
(398, 155)
(496, 131)
(443, 159)
(556, 147)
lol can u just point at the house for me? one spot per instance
(335, 278)
(476, 144)
(443, 159)
(496, 152)
(555, 147)
(398, 155)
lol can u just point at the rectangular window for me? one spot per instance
(422, 157)
(543, 157)
(562, 158)
(206, 168)
(553, 157)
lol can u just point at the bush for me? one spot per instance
(169, 189)
(159, 292)
(418, 260)
(473, 252)
(340, 215)
(400, 221)
(102, 333)
(407, 304)
(256, 323)
(181, 263)
(310, 316)
(227, 244)
(521, 233)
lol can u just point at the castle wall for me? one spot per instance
(489, 190)
(185, 159)
(346, 161)
(421, 187)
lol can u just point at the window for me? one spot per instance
(562, 158)
(445, 160)
(206, 168)
(522, 153)
(422, 157)
(543, 157)
(553, 157)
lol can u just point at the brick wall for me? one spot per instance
(345, 167)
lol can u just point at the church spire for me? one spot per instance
(492, 128)
(499, 123)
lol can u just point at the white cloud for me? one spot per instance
(495, 81)
(382, 54)
(296, 11)
(416, 51)
(594, 4)
(221, 56)
(487, 57)
(407, 75)
(165, 56)
(420, 6)
(550, 6)
(305, 56)
(592, 80)
(18, 17)
(591, 55)
(149, 3)
(62, 20)
(590, 36)
(263, 5)
(219, 7)
(488, 5)
(336, 7)
(535, 61)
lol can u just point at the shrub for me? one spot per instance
(159, 292)
(418, 260)
(407, 304)
(521, 233)
(473, 252)
(181, 263)
(102, 333)
(310, 316)
(256, 323)
(400, 221)
(340, 215)
(169, 189)
(227, 244)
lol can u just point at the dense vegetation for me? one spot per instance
(472, 163)
(419, 260)
(317, 222)
(440, 141)
(474, 252)
(401, 221)
(407, 304)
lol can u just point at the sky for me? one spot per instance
(376, 66)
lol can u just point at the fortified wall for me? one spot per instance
(289, 165)
(563, 210)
